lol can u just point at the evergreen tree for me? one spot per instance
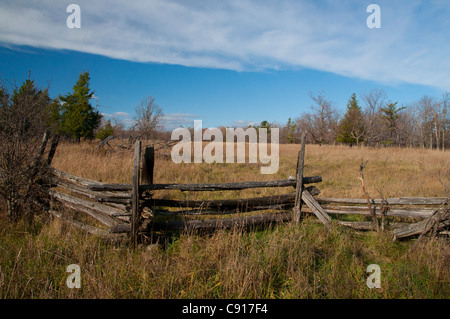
(53, 116)
(352, 128)
(391, 115)
(265, 124)
(79, 119)
(290, 127)
(36, 99)
(45, 110)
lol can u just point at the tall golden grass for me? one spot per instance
(394, 172)
(284, 262)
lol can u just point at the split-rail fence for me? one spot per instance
(136, 209)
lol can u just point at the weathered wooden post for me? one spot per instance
(299, 185)
(303, 194)
(53, 146)
(148, 164)
(135, 192)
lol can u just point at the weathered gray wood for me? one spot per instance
(114, 197)
(224, 204)
(390, 201)
(87, 228)
(104, 214)
(43, 145)
(120, 228)
(125, 208)
(231, 186)
(316, 208)
(240, 203)
(101, 208)
(369, 204)
(135, 191)
(417, 228)
(124, 200)
(81, 181)
(199, 212)
(365, 225)
(105, 141)
(53, 146)
(75, 188)
(299, 182)
(211, 224)
(408, 212)
(206, 187)
(111, 187)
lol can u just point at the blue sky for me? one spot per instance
(228, 62)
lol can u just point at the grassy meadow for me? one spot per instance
(285, 261)
(395, 172)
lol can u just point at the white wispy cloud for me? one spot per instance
(412, 45)
(119, 117)
(171, 121)
(243, 123)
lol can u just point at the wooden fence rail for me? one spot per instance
(120, 207)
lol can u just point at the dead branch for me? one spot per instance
(384, 210)
(369, 205)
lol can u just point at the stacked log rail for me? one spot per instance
(110, 203)
(114, 200)
(407, 207)
(109, 208)
(407, 216)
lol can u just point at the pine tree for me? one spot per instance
(79, 119)
(352, 128)
(391, 115)
(290, 127)
(36, 100)
(53, 116)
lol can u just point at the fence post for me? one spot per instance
(53, 146)
(135, 192)
(299, 178)
(148, 164)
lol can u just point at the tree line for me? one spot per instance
(374, 120)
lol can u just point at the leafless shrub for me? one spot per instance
(148, 119)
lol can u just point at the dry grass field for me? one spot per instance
(396, 172)
(285, 261)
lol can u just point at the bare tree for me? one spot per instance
(372, 104)
(322, 123)
(431, 119)
(445, 117)
(22, 125)
(148, 118)
(426, 120)
(407, 128)
(118, 125)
